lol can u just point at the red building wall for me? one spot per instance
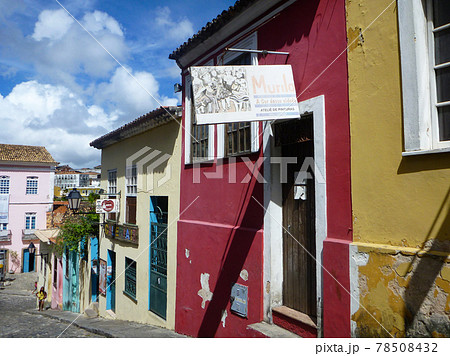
(223, 229)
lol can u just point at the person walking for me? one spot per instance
(41, 295)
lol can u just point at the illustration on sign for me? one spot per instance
(255, 92)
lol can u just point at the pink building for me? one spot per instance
(26, 194)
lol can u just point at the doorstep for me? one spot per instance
(294, 321)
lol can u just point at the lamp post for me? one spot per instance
(74, 199)
(31, 248)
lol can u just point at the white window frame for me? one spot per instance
(32, 186)
(131, 180)
(4, 184)
(31, 217)
(111, 186)
(418, 79)
(3, 226)
(250, 42)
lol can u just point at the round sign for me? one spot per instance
(107, 205)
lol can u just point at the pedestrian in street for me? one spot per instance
(41, 295)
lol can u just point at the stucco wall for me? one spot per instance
(21, 203)
(400, 204)
(165, 139)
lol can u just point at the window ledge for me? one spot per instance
(426, 152)
(129, 295)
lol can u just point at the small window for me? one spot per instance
(4, 185)
(32, 185)
(200, 139)
(131, 175)
(131, 210)
(30, 221)
(112, 182)
(130, 278)
(238, 135)
(3, 226)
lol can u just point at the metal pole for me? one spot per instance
(264, 52)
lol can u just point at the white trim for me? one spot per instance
(426, 152)
(273, 233)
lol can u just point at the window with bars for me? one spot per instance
(32, 185)
(112, 181)
(131, 176)
(200, 139)
(4, 185)
(238, 135)
(439, 38)
(30, 221)
(130, 278)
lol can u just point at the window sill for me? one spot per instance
(133, 298)
(426, 152)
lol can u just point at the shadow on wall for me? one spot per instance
(424, 277)
(238, 247)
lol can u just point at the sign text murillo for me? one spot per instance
(225, 94)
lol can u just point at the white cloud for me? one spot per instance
(132, 96)
(52, 24)
(62, 47)
(177, 30)
(54, 117)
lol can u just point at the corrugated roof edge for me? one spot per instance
(143, 123)
(212, 27)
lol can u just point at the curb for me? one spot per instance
(87, 328)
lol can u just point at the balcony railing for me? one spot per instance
(28, 235)
(5, 235)
(125, 233)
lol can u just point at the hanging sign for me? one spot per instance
(226, 94)
(102, 277)
(107, 206)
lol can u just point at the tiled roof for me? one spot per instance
(212, 27)
(146, 122)
(20, 153)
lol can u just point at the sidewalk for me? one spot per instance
(107, 327)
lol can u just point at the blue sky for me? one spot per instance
(60, 89)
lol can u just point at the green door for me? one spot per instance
(158, 256)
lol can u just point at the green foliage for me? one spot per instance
(75, 229)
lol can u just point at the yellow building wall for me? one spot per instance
(167, 140)
(401, 223)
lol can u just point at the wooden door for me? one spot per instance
(299, 268)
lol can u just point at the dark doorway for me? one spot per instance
(299, 269)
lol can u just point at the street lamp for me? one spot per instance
(74, 199)
(31, 248)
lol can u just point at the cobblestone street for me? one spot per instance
(16, 322)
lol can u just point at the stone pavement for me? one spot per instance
(108, 327)
(19, 318)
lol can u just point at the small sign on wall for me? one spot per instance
(239, 297)
(107, 206)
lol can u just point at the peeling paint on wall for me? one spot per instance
(224, 316)
(186, 252)
(205, 293)
(244, 274)
(413, 301)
